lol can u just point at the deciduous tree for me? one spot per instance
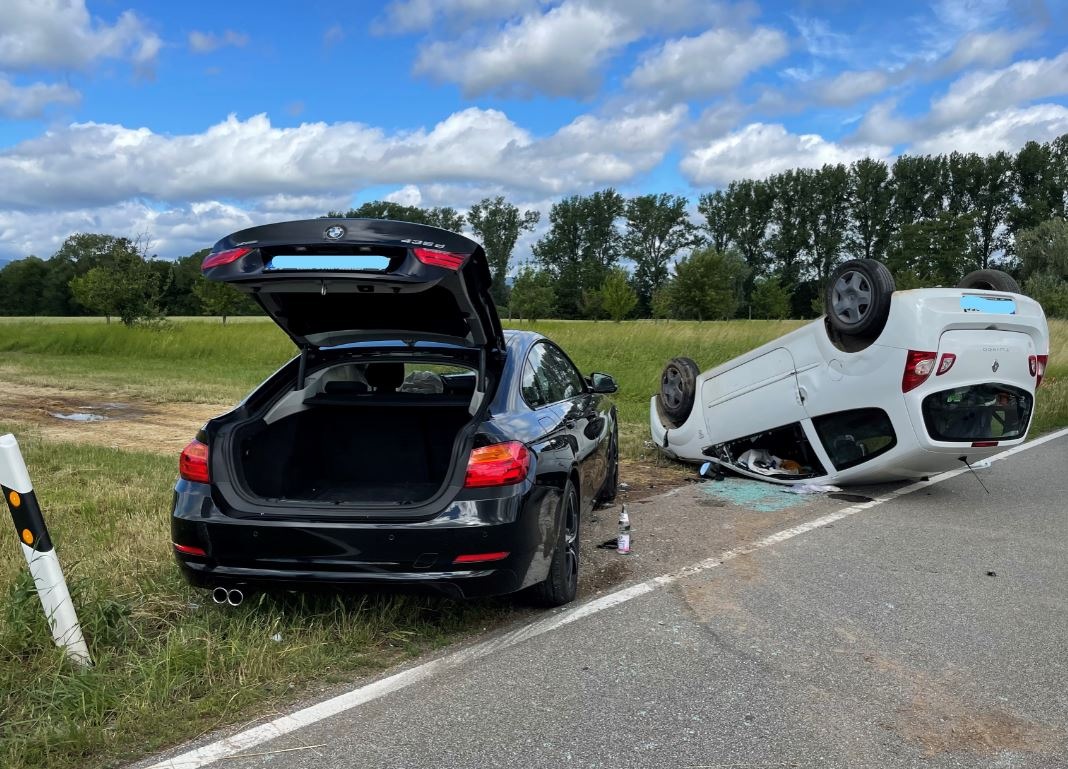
(532, 294)
(617, 297)
(707, 285)
(497, 224)
(658, 227)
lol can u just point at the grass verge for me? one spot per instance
(169, 664)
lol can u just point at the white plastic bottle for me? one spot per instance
(623, 540)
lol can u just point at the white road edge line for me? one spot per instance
(231, 746)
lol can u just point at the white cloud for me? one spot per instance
(556, 48)
(91, 164)
(987, 49)
(760, 150)
(820, 40)
(404, 16)
(408, 195)
(1007, 130)
(173, 230)
(558, 53)
(334, 34)
(849, 87)
(978, 93)
(30, 101)
(60, 34)
(206, 42)
(968, 15)
(882, 126)
(710, 63)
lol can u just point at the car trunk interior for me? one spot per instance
(379, 434)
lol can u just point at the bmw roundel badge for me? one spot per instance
(335, 232)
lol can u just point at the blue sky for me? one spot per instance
(185, 121)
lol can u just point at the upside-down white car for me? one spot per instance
(887, 386)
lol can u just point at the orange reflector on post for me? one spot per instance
(481, 557)
(14, 499)
(27, 536)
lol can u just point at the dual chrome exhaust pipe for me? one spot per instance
(231, 596)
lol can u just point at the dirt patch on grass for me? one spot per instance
(644, 478)
(104, 418)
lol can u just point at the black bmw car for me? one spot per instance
(411, 442)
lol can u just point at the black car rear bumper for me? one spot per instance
(286, 554)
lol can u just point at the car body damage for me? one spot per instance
(936, 377)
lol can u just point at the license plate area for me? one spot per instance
(993, 305)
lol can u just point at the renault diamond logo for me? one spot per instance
(996, 366)
(336, 232)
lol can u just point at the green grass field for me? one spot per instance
(170, 665)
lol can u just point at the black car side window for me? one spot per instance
(531, 393)
(535, 385)
(549, 377)
(566, 381)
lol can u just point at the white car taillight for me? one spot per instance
(918, 366)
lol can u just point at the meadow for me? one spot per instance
(169, 665)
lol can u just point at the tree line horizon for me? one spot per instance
(759, 248)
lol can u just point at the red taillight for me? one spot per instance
(501, 464)
(481, 557)
(1040, 368)
(193, 463)
(983, 444)
(435, 258)
(944, 365)
(918, 366)
(190, 550)
(223, 257)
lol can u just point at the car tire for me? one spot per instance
(991, 280)
(678, 389)
(857, 298)
(611, 481)
(561, 586)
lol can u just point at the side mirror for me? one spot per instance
(602, 383)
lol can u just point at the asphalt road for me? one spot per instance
(929, 630)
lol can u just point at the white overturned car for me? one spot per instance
(887, 386)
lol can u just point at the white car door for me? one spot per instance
(757, 395)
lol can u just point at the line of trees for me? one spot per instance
(99, 274)
(757, 248)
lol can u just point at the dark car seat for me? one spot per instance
(385, 377)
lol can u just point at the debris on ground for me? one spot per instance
(79, 417)
(811, 488)
(623, 540)
(716, 472)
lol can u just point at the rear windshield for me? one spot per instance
(417, 381)
(986, 412)
(851, 438)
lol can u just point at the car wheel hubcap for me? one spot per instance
(851, 297)
(671, 387)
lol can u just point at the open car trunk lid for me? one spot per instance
(328, 282)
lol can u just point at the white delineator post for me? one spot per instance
(40, 555)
